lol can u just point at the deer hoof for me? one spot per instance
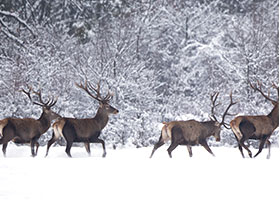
(250, 154)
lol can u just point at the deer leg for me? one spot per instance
(32, 148)
(239, 146)
(176, 139)
(171, 148)
(241, 142)
(37, 147)
(241, 150)
(247, 129)
(69, 143)
(4, 147)
(68, 148)
(263, 140)
(97, 140)
(69, 134)
(268, 146)
(50, 142)
(156, 146)
(189, 150)
(103, 146)
(260, 148)
(33, 142)
(87, 146)
(8, 133)
(205, 145)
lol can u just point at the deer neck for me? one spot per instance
(210, 126)
(102, 118)
(45, 122)
(274, 116)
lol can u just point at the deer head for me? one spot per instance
(46, 106)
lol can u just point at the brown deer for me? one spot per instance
(192, 132)
(85, 130)
(28, 129)
(256, 127)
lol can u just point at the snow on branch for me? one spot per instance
(11, 36)
(9, 14)
(6, 26)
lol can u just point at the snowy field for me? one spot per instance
(130, 174)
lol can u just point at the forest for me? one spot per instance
(162, 59)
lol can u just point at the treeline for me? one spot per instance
(161, 59)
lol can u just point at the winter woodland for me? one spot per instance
(161, 59)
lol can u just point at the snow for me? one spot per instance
(130, 174)
(14, 15)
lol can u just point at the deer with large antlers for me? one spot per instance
(192, 132)
(28, 129)
(258, 127)
(85, 130)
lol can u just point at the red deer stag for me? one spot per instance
(192, 132)
(256, 127)
(28, 129)
(85, 130)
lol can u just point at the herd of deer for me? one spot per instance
(189, 133)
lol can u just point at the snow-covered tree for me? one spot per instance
(161, 59)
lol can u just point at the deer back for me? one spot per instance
(263, 125)
(25, 128)
(192, 129)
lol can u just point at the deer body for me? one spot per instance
(265, 126)
(84, 130)
(24, 131)
(188, 133)
(258, 127)
(191, 132)
(27, 129)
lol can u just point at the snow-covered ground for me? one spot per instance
(130, 174)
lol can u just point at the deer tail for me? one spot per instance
(57, 128)
(3, 123)
(235, 128)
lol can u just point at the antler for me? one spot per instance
(51, 101)
(226, 112)
(213, 100)
(262, 93)
(277, 88)
(89, 89)
(108, 96)
(48, 104)
(27, 92)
